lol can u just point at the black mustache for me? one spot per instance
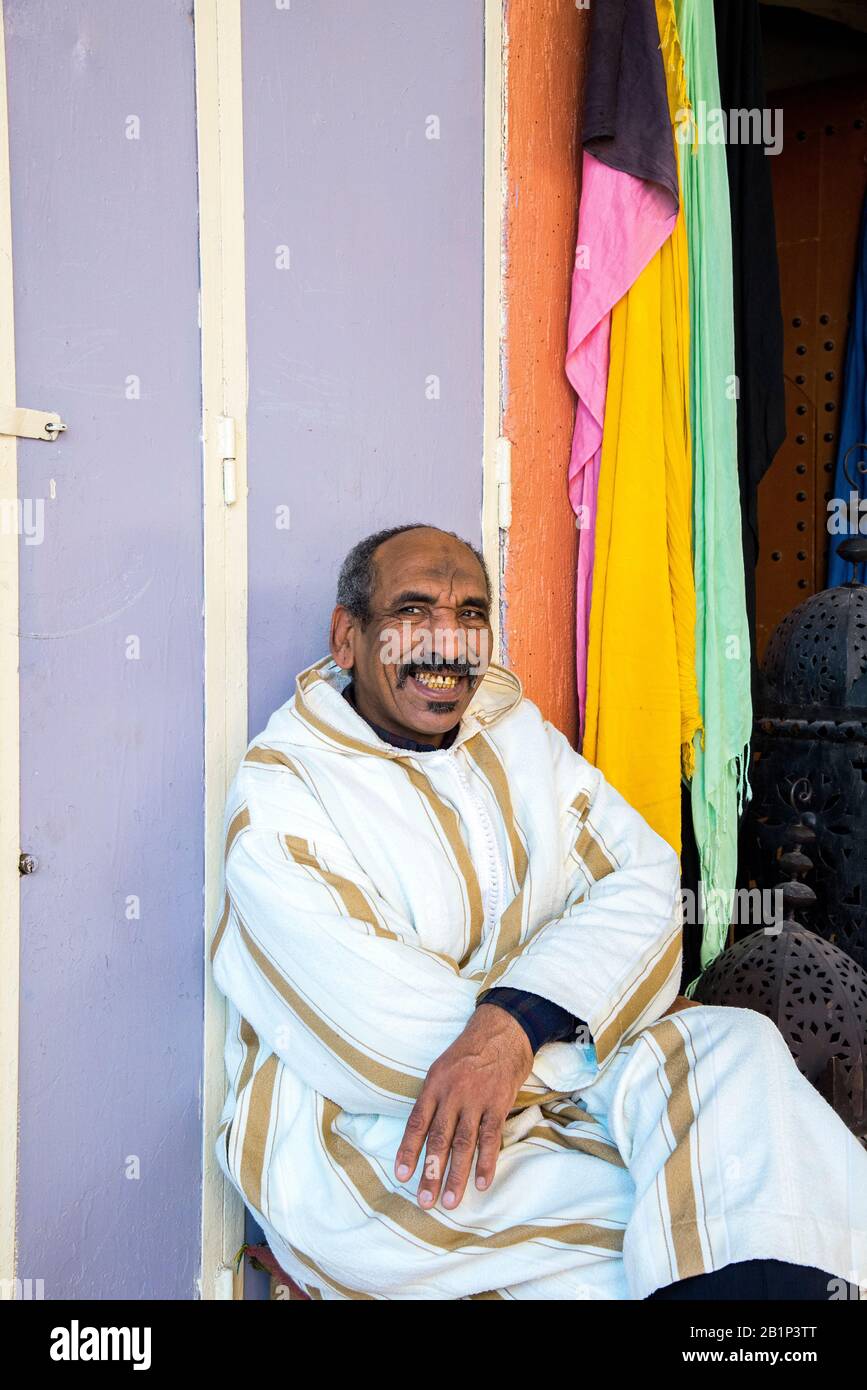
(435, 668)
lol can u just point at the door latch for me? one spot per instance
(30, 424)
(228, 456)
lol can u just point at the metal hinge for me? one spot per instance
(226, 436)
(504, 483)
(30, 424)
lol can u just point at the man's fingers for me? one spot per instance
(490, 1134)
(463, 1150)
(436, 1155)
(414, 1135)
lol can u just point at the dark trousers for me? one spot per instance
(755, 1279)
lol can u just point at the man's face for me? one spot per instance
(419, 661)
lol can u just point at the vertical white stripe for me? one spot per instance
(224, 392)
(495, 127)
(9, 732)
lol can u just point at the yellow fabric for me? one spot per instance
(642, 696)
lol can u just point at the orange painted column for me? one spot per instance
(546, 42)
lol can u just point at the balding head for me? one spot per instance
(412, 623)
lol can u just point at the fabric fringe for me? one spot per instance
(745, 791)
(687, 749)
(715, 933)
(687, 760)
(673, 53)
(690, 988)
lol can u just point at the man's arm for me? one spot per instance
(463, 1105)
(612, 957)
(328, 974)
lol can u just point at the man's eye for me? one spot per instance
(476, 614)
(409, 608)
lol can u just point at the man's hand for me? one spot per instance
(464, 1101)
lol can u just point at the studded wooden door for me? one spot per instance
(819, 182)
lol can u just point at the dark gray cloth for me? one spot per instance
(627, 123)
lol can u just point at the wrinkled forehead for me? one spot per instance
(428, 562)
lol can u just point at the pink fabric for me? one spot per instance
(622, 223)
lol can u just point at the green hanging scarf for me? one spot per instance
(719, 786)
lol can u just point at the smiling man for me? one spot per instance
(459, 1066)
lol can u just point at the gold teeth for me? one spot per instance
(437, 682)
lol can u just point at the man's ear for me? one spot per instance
(343, 637)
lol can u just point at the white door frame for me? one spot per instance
(219, 125)
(496, 457)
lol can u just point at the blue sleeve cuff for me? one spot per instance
(541, 1020)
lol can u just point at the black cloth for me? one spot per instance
(626, 121)
(542, 1020)
(758, 313)
(690, 878)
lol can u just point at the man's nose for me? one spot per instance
(446, 637)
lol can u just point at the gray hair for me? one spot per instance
(358, 574)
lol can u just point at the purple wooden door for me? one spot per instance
(363, 159)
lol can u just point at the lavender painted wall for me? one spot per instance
(383, 289)
(106, 279)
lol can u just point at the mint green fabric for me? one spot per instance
(719, 786)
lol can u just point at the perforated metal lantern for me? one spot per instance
(810, 738)
(817, 997)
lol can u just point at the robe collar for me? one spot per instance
(319, 702)
(412, 745)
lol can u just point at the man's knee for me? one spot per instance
(746, 1036)
(714, 1026)
(747, 1026)
(737, 1040)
